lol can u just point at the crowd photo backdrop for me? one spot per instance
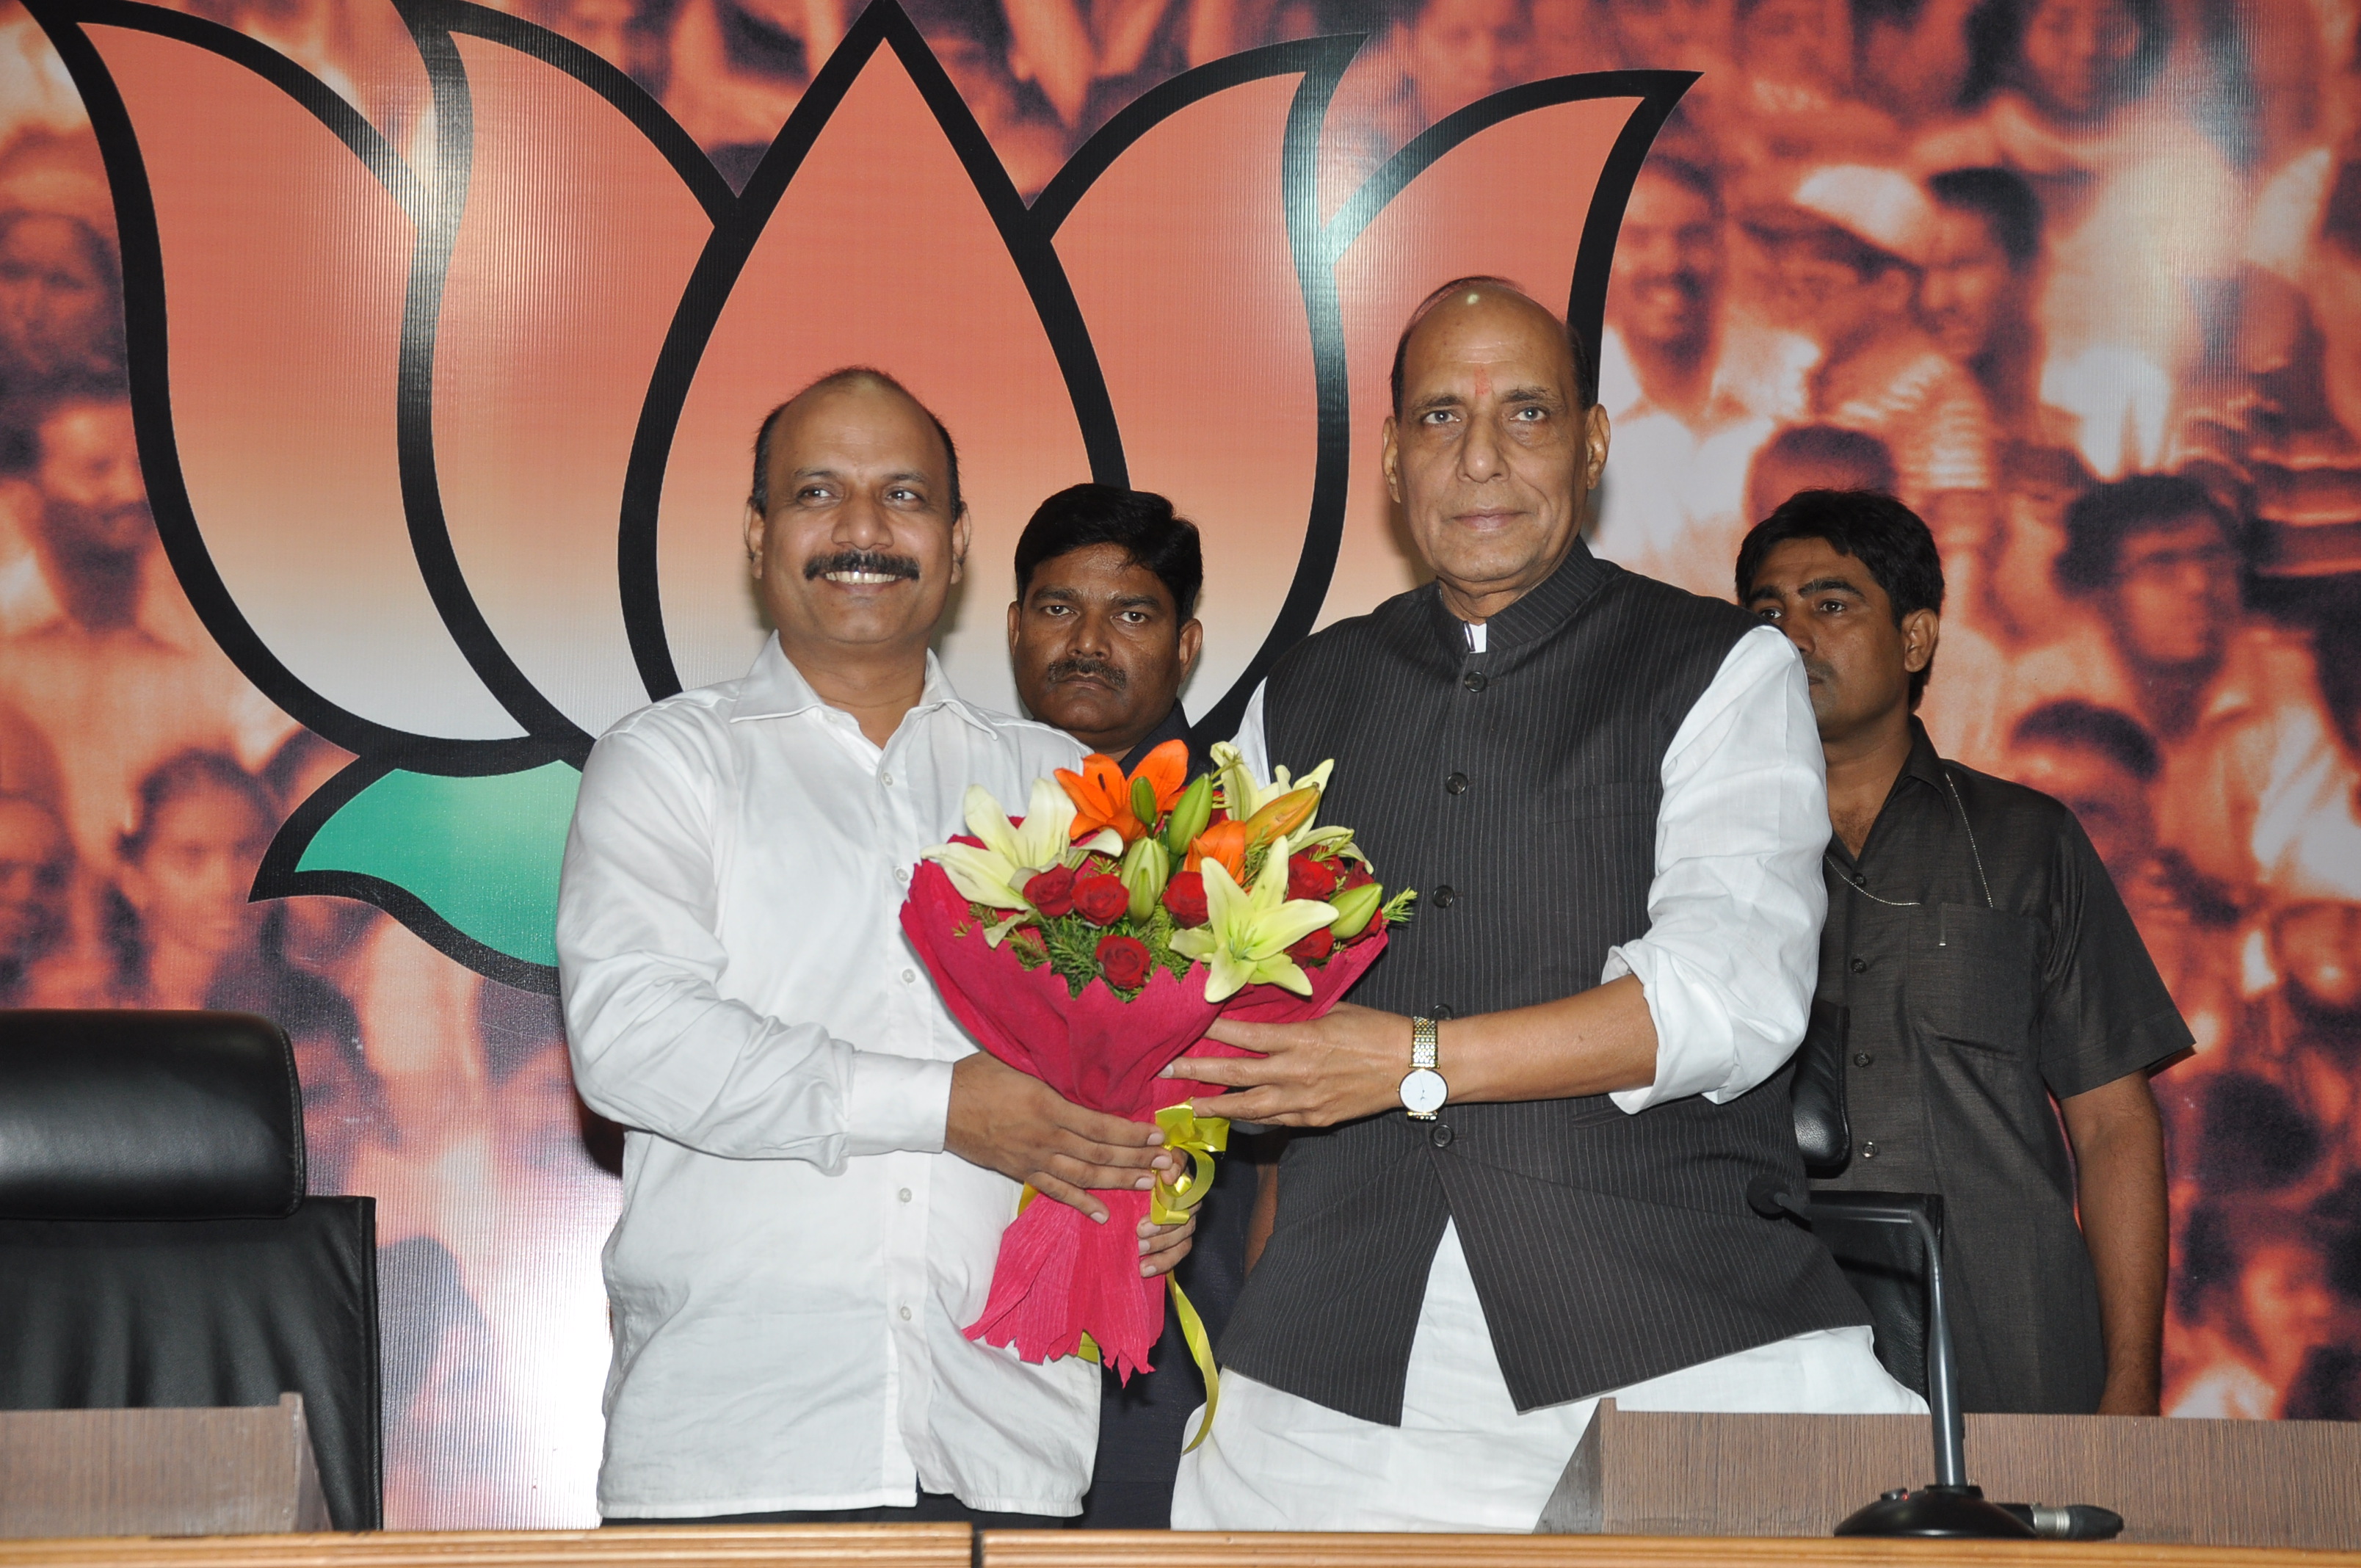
(378, 379)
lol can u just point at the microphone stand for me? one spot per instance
(1949, 1506)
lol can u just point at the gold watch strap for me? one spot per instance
(1422, 1042)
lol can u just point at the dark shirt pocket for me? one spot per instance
(1971, 977)
(1614, 797)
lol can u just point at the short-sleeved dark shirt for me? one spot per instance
(1987, 966)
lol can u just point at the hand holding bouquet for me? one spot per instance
(1096, 938)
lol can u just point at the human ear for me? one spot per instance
(1921, 631)
(962, 533)
(1193, 642)
(1595, 432)
(757, 527)
(1391, 460)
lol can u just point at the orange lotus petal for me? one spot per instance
(1226, 842)
(1102, 798)
(1166, 771)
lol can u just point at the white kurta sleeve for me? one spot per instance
(655, 1044)
(1732, 949)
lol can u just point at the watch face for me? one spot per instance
(1424, 1091)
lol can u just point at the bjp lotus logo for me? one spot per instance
(447, 439)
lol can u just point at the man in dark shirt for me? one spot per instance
(1983, 966)
(1103, 634)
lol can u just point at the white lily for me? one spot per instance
(1243, 794)
(1247, 934)
(993, 873)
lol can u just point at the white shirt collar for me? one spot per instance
(775, 688)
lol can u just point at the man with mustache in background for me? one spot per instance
(817, 1162)
(1103, 634)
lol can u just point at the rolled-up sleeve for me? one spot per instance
(655, 1044)
(1732, 947)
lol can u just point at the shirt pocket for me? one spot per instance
(1970, 977)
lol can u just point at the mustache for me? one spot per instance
(873, 561)
(1819, 669)
(1077, 669)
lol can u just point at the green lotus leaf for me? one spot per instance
(481, 853)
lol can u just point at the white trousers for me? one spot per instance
(1463, 1459)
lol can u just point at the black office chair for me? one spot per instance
(156, 1245)
(1889, 1246)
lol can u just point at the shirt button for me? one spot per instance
(1473, 680)
(909, 977)
(1862, 1059)
(885, 778)
(906, 1314)
(1859, 965)
(1440, 1135)
(1456, 783)
(1444, 897)
(1868, 1151)
(901, 874)
(905, 1196)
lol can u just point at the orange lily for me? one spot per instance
(1225, 842)
(1102, 796)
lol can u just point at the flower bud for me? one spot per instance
(1285, 815)
(1191, 813)
(1143, 803)
(1147, 865)
(1356, 907)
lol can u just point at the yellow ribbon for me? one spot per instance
(1201, 1138)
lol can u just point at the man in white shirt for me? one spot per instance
(1530, 1190)
(819, 1164)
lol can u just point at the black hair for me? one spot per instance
(1585, 360)
(2005, 202)
(2110, 731)
(1884, 536)
(758, 494)
(1995, 32)
(1141, 521)
(2103, 517)
(185, 773)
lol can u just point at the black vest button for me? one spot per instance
(1859, 965)
(1473, 680)
(1440, 1012)
(1440, 1135)
(1456, 783)
(1444, 897)
(1862, 1059)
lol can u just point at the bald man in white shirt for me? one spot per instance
(820, 1163)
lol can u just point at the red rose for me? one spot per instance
(1357, 874)
(1313, 948)
(1124, 962)
(1308, 878)
(1185, 895)
(1051, 892)
(1102, 900)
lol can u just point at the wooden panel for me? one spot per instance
(154, 1471)
(1118, 1548)
(2256, 1483)
(789, 1546)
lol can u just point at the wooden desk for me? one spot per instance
(951, 1546)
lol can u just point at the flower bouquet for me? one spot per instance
(1096, 938)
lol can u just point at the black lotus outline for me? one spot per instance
(739, 220)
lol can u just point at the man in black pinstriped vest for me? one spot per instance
(1519, 1176)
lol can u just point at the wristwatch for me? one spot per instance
(1423, 1088)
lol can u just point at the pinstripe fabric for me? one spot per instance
(1607, 1248)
